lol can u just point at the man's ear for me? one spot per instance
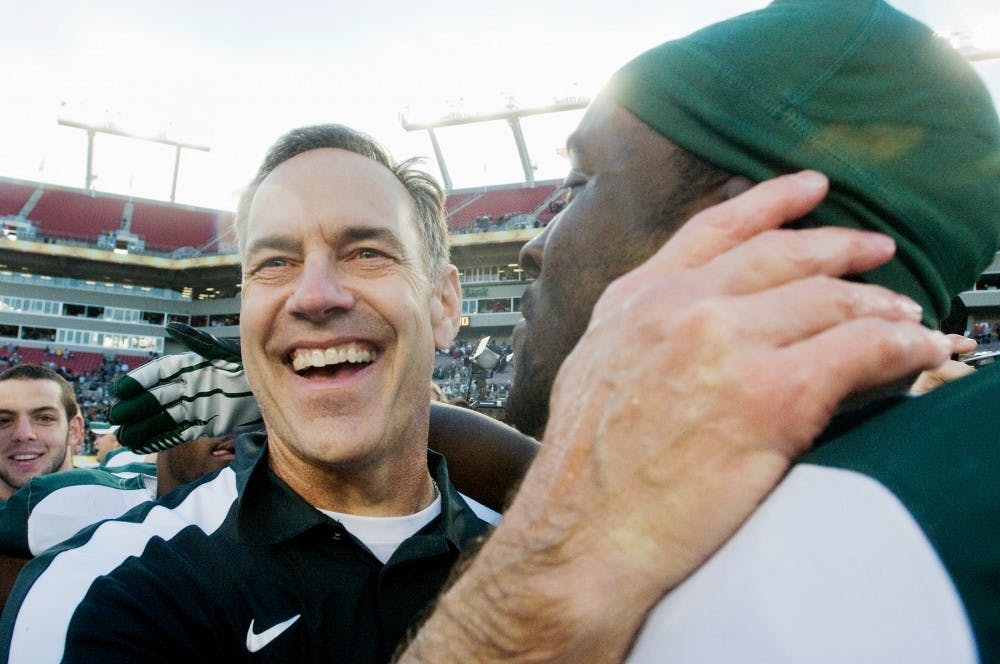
(731, 188)
(446, 307)
(76, 430)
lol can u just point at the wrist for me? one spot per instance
(533, 595)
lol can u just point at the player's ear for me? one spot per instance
(76, 431)
(446, 306)
(730, 188)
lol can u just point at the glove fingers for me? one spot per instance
(162, 371)
(238, 413)
(135, 409)
(150, 429)
(204, 344)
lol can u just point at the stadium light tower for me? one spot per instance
(111, 128)
(511, 114)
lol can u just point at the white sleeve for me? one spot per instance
(831, 568)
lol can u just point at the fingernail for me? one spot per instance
(811, 179)
(883, 243)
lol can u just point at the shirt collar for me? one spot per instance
(269, 511)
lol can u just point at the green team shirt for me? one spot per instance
(52, 508)
(233, 567)
(881, 545)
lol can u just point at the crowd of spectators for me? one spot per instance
(985, 333)
(485, 223)
(459, 378)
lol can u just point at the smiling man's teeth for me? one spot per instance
(25, 457)
(315, 357)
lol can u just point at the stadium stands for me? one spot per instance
(13, 196)
(133, 361)
(83, 216)
(465, 208)
(75, 363)
(167, 227)
(76, 215)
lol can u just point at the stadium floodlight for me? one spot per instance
(511, 113)
(484, 356)
(111, 128)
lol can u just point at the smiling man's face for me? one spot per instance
(339, 319)
(35, 434)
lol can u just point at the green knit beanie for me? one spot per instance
(899, 122)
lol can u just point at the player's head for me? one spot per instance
(40, 424)
(900, 124)
(105, 439)
(346, 293)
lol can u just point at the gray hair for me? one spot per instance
(427, 195)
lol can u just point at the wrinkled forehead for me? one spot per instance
(330, 186)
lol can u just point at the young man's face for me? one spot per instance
(104, 444)
(338, 319)
(35, 435)
(625, 201)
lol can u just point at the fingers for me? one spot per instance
(962, 344)
(206, 345)
(864, 354)
(162, 370)
(777, 257)
(939, 375)
(816, 304)
(719, 228)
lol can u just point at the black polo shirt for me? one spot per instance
(234, 567)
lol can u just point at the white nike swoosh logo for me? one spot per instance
(257, 641)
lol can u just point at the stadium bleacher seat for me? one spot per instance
(166, 228)
(465, 207)
(76, 215)
(13, 196)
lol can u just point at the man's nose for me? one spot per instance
(23, 431)
(321, 290)
(530, 257)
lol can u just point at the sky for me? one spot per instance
(235, 75)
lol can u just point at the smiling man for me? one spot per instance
(40, 424)
(341, 311)
(334, 528)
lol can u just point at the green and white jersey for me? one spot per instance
(234, 567)
(52, 508)
(122, 456)
(881, 545)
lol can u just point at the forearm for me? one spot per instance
(547, 586)
(486, 459)
(515, 604)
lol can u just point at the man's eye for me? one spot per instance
(368, 253)
(269, 263)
